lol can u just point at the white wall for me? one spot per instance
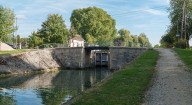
(76, 43)
(190, 42)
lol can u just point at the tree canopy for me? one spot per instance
(94, 24)
(7, 20)
(181, 23)
(53, 31)
(143, 40)
(125, 35)
(35, 40)
(127, 40)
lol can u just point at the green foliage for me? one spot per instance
(53, 96)
(135, 41)
(18, 39)
(126, 87)
(7, 19)
(24, 39)
(8, 99)
(157, 46)
(167, 41)
(181, 43)
(54, 30)
(176, 15)
(143, 40)
(90, 39)
(126, 37)
(35, 40)
(94, 24)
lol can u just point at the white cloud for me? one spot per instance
(156, 12)
(20, 16)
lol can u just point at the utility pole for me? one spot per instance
(16, 32)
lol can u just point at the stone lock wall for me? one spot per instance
(44, 59)
(120, 56)
(70, 58)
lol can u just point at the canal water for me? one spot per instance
(52, 88)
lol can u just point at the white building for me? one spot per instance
(76, 41)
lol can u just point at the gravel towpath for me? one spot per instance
(172, 84)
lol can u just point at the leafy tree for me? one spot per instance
(135, 41)
(54, 30)
(94, 24)
(126, 37)
(35, 40)
(143, 40)
(166, 41)
(7, 19)
(18, 39)
(176, 18)
(157, 46)
(24, 40)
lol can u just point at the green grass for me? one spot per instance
(186, 56)
(126, 87)
(12, 52)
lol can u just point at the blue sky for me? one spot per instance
(138, 16)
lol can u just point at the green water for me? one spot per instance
(53, 88)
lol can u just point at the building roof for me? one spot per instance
(77, 37)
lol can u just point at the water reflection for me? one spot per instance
(51, 88)
(6, 99)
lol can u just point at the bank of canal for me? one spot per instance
(50, 88)
(126, 87)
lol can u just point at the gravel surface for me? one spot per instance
(172, 84)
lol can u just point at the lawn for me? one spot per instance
(12, 52)
(186, 56)
(126, 87)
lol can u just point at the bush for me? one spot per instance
(181, 43)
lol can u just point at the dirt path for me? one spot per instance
(172, 83)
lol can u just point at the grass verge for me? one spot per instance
(186, 56)
(126, 87)
(12, 52)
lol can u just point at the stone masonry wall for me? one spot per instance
(45, 59)
(120, 56)
(72, 57)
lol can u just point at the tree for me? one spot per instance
(180, 11)
(126, 37)
(54, 30)
(157, 46)
(167, 41)
(7, 20)
(35, 40)
(94, 25)
(18, 39)
(143, 40)
(135, 41)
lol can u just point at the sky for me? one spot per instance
(137, 16)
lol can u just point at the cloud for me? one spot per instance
(20, 16)
(156, 12)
